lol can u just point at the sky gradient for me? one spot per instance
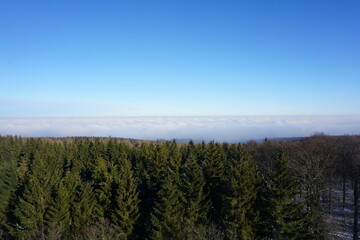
(179, 58)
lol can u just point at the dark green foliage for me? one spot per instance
(126, 201)
(102, 182)
(100, 188)
(9, 149)
(59, 211)
(195, 202)
(83, 207)
(243, 187)
(36, 197)
(214, 170)
(288, 219)
(167, 216)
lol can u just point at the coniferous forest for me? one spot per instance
(108, 188)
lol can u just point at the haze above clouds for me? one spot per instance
(226, 128)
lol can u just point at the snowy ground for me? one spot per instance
(340, 221)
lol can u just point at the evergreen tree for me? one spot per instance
(288, 219)
(59, 211)
(214, 168)
(82, 210)
(146, 193)
(8, 176)
(26, 157)
(174, 161)
(167, 215)
(126, 201)
(195, 201)
(102, 187)
(157, 168)
(34, 200)
(112, 151)
(241, 213)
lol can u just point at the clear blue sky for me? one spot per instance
(135, 58)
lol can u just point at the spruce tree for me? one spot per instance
(25, 159)
(8, 177)
(167, 215)
(83, 208)
(146, 190)
(102, 187)
(59, 211)
(288, 219)
(214, 168)
(241, 215)
(195, 202)
(126, 201)
(37, 194)
(174, 161)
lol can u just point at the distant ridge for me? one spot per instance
(284, 139)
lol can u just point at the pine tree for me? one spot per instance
(288, 219)
(126, 202)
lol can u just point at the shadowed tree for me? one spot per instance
(288, 219)
(214, 169)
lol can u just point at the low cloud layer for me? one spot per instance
(231, 129)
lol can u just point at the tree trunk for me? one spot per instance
(356, 209)
(330, 197)
(343, 190)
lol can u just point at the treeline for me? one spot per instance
(105, 188)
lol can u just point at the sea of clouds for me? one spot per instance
(218, 128)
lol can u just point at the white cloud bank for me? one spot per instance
(231, 129)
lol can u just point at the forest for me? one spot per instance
(109, 188)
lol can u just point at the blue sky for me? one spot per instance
(135, 58)
(179, 58)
